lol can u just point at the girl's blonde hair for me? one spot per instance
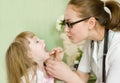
(17, 59)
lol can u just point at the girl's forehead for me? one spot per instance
(31, 38)
(34, 37)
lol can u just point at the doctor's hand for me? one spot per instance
(58, 69)
(57, 54)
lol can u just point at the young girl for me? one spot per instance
(25, 59)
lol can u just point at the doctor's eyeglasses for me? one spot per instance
(70, 25)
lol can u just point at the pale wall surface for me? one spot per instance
(38, 16)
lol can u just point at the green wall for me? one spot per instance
(38, 16)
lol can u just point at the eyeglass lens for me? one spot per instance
(71, 24)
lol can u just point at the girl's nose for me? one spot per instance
(41, 40)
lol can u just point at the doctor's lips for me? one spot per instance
(70, 37)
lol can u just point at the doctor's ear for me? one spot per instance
(92, 22)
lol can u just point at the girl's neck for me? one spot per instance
(40, 66)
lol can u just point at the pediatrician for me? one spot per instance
(97, 22)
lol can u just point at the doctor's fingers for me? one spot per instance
(49, 71)
(58, 49)
(51, 68)
(50, 63)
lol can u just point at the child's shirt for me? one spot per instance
(38, 78)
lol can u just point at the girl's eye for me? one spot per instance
(37, 41)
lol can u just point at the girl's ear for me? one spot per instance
(30, 55)
(92, 23)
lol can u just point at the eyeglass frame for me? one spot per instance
(70, 25)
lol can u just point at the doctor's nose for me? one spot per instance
(66, 28)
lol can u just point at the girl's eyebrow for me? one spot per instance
(34, 37)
